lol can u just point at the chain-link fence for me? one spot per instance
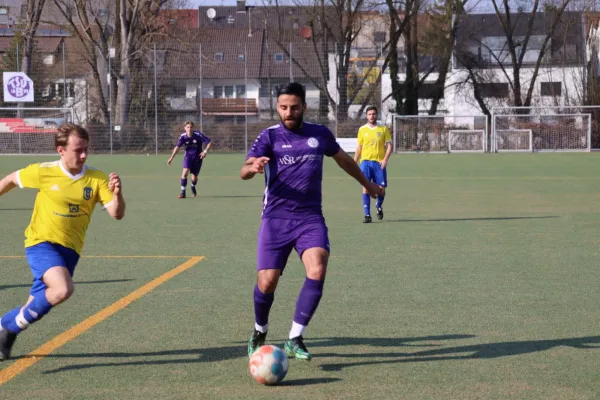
(228, 91)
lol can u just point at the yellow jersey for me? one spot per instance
(64, 203)
(372, 141)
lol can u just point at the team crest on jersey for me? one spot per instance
(378, 133)
(73, 208)
(87, 193)
(312, 142)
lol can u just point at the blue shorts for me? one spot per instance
(277, 237)
(45, 255)
(373, 172)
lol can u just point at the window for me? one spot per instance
(493, 89)
(278, 57)
(49, 91)
(67, 91)
(240, 91)
(241, 57)
(3, 10)
(219, 57)
(379, 37)
(218, 92)
(228, 92)
(551, 88)
(48, 59)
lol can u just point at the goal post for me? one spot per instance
(513, 140)
(30, 130)
(466, 141)
(432, 133)
(550, 131)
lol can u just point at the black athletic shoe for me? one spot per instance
(7, 338)
(367, 219)
(194, 193)
(256, 340)
(380, 213)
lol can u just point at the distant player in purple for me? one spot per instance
(192, 160)
(291, 155)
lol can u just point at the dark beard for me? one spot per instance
(295, 124)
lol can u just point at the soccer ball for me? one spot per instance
(268, 365)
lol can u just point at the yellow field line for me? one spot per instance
(22, 364)
(112, 256)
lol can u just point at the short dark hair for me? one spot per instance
(371, 108)
(294, 89)
(66, 130)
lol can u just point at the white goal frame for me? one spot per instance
(452, 132)
(13, 113)
(529, 148)
(443, 123)
(496, 115)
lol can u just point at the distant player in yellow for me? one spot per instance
(373, 151)
(68, 191)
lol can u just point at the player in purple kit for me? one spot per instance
(291, 155)
(192, 160)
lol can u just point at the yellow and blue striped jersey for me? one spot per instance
(64, 203)
(373, 140)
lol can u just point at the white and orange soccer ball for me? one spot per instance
(268, 365)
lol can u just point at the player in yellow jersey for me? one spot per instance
(373, 151)
(68, 191)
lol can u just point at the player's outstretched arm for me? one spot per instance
(205, 151)
(348, 164)
(117, 207)
(253, 166)
(175, 150)
(8, 183)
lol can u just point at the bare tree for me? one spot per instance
(126, 25)
(28, 31)
(335, 25)
(439, 40)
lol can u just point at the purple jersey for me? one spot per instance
(193, 144)
(294, 174)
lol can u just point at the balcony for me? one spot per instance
(229, 107)
(215, 106)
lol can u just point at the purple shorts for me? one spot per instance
(193, 165)
(277, 237)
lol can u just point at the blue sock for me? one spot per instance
(367, 204)
(379, 201)
(183, 184)
(17, 321)
(9, 321)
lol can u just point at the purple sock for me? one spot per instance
(262, 306)
(183, 183)
(308, 301)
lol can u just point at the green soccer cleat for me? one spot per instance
(295, 348)
(256, 340)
